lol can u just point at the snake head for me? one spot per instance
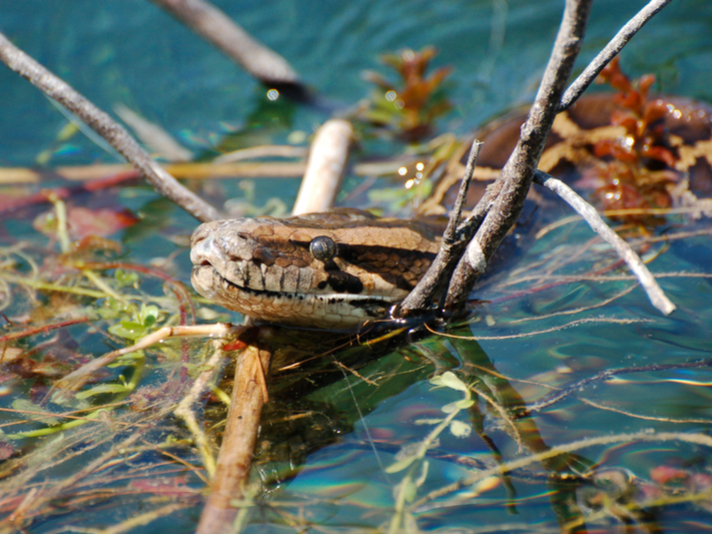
(333, 270)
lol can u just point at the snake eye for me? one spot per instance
(322, 248)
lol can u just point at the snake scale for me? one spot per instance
(339, 269)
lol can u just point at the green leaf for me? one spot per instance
(464, 404)
(126, 278)
(460, 429)
(128, 330)
(450, 380)
(409, 490)
(428, 421)
(149, 313)
(400, 465)
(450, 408)
(103, 388)
(127, 359)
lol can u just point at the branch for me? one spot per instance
(226, 35)
(616, 44)
(453, 245)
(588, 212)
(517, 174)
(102, 124)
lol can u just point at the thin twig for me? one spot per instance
(102, 124)
(453, 244)
(454, 222)
(226, 35)
(616, 44)
(647, 281)
(644, 436)
(606, 375)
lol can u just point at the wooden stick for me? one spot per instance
(325, 167)
(235, 458)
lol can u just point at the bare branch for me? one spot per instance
(102, 124)
(616, 44)
(450, 251)
(590, 215)
(517, 174)
(226, 35)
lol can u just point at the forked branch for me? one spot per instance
(516, 177)
(501, 205)
(611, 50)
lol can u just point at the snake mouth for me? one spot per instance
(324, 310)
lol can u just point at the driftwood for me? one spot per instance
(325, 168)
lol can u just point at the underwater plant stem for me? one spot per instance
(616, 44)
(48, 286)
(398, 520)
(185, 408)
(62, 224)
(99, 283)
(644, 436)
(625, 252)
(107, 128)
(49, 430)
(76, 379)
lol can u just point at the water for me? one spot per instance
(131, 53)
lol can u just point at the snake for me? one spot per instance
(339, 269)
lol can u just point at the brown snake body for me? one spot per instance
(338, 269)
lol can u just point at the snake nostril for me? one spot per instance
(263, 255)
